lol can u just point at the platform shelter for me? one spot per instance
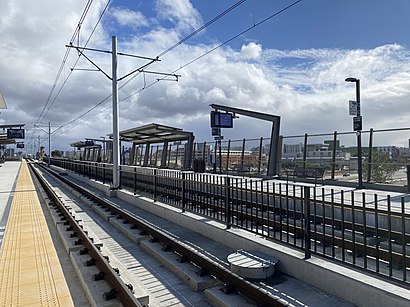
(87, 151)
(171, 144)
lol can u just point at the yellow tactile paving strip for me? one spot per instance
(30, 271)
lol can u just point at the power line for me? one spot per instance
(185, 65)
(60, 70)
(76, 34)
(222, 44)
(202, 27)
(161, 54)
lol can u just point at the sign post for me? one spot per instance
(354, 109)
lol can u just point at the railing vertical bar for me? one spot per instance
(389, 236)
(287, 213)
(183, 192)
(403, 239)
(364, 230)
(342, 216)
(280, 211)
(376, 229)
(353, 228)
(227, 202)
(294, 215)
(324, 243)
(242, 204)
(155, 184)
(315, 218)
(268, 208)
(332, 201)
(306, 197)
(247, 204)
(302, 216)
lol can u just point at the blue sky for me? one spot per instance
(347, 24)
(293, 65)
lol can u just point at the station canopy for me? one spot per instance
(153, 134)
(83, 144)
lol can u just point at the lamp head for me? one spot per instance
(350, 79)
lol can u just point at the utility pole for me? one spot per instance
(116, 142)
(49, 143)
(115, 126)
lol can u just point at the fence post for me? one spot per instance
(334, 155)
(183, 192)
(306, 201)
(305, 152)
(135, 181)
(155, 184)
(120, 179)
(408, 178)
(103, 173)
(228, 202)
(369, 158)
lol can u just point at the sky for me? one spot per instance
(291, 63)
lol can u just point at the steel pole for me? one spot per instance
(49, 143)
(116, 146)
(359, 138)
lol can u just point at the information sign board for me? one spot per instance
(221, 120)
(15, 133)
(357, 123)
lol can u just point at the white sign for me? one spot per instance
(354, 108)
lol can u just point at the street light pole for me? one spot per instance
(359, 133)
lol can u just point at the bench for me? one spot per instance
(301, 172)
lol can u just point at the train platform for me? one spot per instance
(8, 177)
(30, 270)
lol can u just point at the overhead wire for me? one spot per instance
(222, 44)
(62, 65)
(186, 64)
(76, 33)
(161, 54)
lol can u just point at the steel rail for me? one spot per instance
(123, 293)
(246, 288)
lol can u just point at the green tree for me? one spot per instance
(382, 167)
(56, 153)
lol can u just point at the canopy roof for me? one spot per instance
(153, 133)
(81, 144)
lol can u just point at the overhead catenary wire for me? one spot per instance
(49, 104)
(186, 64)
(62, 65)
(222, 44)
(139, 70)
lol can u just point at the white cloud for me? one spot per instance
(305, 87)
(126, 17)
(179, 12)
(251, 51)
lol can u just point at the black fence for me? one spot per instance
(365, 231)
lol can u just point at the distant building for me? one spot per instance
(392, 151)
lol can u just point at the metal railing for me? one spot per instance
(348, 226)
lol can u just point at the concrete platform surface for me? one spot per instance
(30, 271)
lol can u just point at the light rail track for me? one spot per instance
(251, 291)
